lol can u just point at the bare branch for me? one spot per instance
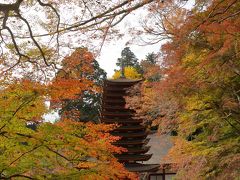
(10, 7)
(33, 39)
(114, 14)
(58, 16)
(103, 16)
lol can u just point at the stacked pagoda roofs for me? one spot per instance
(131, 130)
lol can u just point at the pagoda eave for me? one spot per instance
(140, 149)
(137, 167)
(133, 157)
(130, 127)
(131, 142)
(128, 121)
(116, 114)
(130, 135)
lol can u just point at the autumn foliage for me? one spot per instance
(73, 79)
(31, 148)
(129, 72)
(197, 100)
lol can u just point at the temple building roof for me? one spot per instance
(123, 80)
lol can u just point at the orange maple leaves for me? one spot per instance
(73, 79)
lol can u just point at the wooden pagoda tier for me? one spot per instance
(133, 134)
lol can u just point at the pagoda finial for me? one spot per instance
(122, 70)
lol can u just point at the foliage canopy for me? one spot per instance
(198, 98)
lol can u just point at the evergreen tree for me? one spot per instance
(150, 68)
(88, 104)
(151, 58)
(129, 59)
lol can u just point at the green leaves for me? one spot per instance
(66, 149)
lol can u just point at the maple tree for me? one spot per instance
(65, 149)
(81, 70)
(89, 103)
(198, 98)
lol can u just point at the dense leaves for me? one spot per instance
(193, 93)
(33, 149)
(83, 74)
(129, 72)
(198, 98)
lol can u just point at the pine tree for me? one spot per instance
(151, 58)
(129, 59)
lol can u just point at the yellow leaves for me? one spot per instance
(86, 165)
(35, 54)
(24, 100)
(193, 57)
(130, 73)
(182, 146)
(196, 108)
(194, 103)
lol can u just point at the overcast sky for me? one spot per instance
(112, 50)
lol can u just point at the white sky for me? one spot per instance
(112, 50)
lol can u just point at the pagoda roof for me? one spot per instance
(113, 101)
(115, 89)
(130, 127)
(131, 142)
(137, 167)
(116, 114)
(119, 120)
(133, 157)
(130, 135)
(123, 80)
(117, 107)
(110, 94)
(137, 149)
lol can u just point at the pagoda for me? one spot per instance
(131, 130)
